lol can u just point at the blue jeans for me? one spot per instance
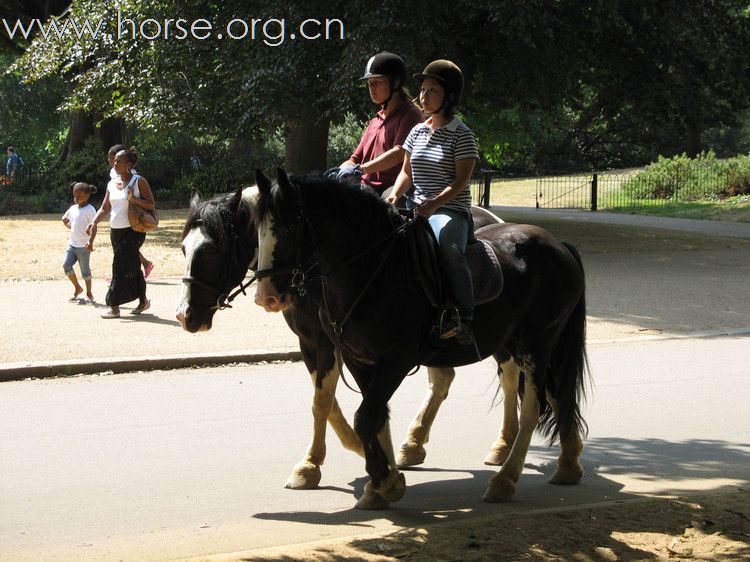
(80, 255)
(451, 229)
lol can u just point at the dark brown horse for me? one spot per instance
(220, 244)
(316, 230)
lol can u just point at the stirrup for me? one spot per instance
(449, 322)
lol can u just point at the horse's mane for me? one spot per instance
(213, 214)
(351, 205)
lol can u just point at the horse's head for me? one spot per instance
(220, 244)
(280, 240)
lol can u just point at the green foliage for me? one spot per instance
(540, 90)
(29, 117)
(231, 167)
(343, 138)
(691, 179)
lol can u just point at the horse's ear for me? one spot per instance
(283, 180)
(234, 201)
(195, 199)
(263, 183)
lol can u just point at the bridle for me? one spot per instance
(299, 274)
(223, 297)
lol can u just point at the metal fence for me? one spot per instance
(629, 189)
(481, 183)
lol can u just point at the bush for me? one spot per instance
(686, 179)
(343, 138)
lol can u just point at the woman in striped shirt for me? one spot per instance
(439, 159)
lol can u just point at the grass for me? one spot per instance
(735, 209)
(521, 192)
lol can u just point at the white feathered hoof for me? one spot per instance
(498, 456)
(410, 455)
(391, 489)
(305, 476)
(567, 475)
(500, 490)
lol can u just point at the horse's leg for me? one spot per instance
(345, 432)
(412, 451)
(502, 486)
(386, 483)
(569, 469)
(509, 373)
(306, 473)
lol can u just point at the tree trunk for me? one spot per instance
(81, 128)
(112, 131)
(306, 145)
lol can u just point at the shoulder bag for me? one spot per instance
(141, 220)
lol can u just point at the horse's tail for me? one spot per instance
(567, 370)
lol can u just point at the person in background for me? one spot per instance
(379, 154)
(128, 283)
(80, 243)
(440, 157)
(147, 265)
(14, 164)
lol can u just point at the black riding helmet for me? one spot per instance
(389, 65)
(449, 76)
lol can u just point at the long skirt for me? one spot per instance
(128, 283)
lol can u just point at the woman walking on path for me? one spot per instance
(113, 176)
(128, 283)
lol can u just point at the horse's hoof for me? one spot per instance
(410, 455)
(372, 500)
(305, 476)
(391, 489)
(499, 490)
(496, 457)
(567, 475)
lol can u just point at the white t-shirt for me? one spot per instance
(118, 199)
(80, 218)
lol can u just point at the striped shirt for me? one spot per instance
(433, 160)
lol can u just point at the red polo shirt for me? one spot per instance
(382, 134)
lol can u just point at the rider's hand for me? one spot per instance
(427, 208)
(391, 199)
(350, 173)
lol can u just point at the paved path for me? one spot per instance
(150, 466)
(43, 335)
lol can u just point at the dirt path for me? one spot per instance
(702, 527)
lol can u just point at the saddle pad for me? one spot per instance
(486, 273)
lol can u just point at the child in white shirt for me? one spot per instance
(80, 244)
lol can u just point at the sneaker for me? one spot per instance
(141, 307)
(147, 270)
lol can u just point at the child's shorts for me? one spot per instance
(80, 255)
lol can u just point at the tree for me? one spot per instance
(605, 71)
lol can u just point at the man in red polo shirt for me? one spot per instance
(379, 155)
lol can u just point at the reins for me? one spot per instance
(300, 278)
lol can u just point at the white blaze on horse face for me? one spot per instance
(265, 293)
(250, 195)
(190, 244)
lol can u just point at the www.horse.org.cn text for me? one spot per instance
(272, 32)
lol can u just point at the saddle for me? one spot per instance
(486, 273)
